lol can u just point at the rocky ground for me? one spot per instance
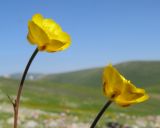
(30, 118)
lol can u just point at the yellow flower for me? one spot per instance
(120, 90)
(47, 34)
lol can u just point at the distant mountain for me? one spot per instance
(141, 73)
(30, 76)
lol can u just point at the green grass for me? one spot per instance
(80, 93)
(75, 99)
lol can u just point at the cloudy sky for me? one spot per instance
(102, 31)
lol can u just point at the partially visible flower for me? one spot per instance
(120, 90)
(47, 34)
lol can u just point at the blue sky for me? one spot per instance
(102, 31)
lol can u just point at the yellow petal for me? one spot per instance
(54, 46)
(64, 37)
(131, 95)
(36, 35)
(30, 38)
(51, 28)
(125, 103)
(65, 46)
(37, 19)
(112, 82)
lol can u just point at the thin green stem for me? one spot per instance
(100, 114)
(17, 100)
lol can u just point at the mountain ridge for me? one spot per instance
(142, 73)
(139, 72)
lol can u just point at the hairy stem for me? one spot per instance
(17, 100)
(100, 114)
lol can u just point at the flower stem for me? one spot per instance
(17, 100)
(100, 114)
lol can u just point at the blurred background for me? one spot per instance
(64, 89)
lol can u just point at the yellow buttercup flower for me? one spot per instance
(47, 34)
(120, 90)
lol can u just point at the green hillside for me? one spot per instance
(88, 77)
(80, 92)
(142, 73)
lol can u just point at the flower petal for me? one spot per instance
(125, 103)
(51, 28)
(112, 82)
(64, 37)
(54, 45)
(131, 95)
(36, 35)
(37, 19)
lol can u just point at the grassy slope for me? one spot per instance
(143, 73)
(81, 92)
(88, 77)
